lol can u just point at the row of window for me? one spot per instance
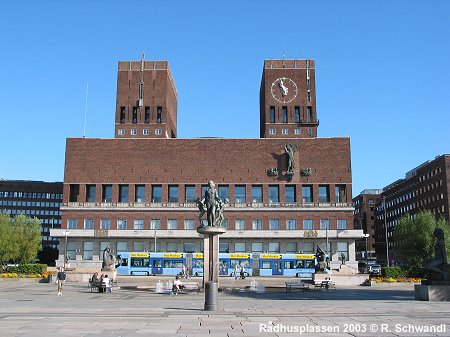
(285, 115)
(406, 209)
(190, 193)
(335, 248)
(30, 203)
(133, 132)
(410, 195)
(137, 116)
(30, 195)
(239, 224)
(297, 131)
(430, 174)
(31, 212)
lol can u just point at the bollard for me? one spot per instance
(211, 292)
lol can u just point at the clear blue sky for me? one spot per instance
(382, 73)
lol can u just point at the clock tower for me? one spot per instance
(288, 99)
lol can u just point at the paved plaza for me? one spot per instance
(34, 309)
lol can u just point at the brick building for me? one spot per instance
(425, 187)
(364, 218)
(289, 191)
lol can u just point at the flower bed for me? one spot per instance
(379, 279)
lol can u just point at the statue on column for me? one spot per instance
(109, 261)
(212, 205)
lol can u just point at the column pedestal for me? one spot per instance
(211, 264)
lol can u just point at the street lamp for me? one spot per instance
(65, 249)
(366, 236)
(386, 232)
(155, 239)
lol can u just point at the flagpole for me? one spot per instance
(85, 110)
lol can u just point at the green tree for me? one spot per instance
(6, 244)
(20, 239)
(27, 238)
(414, 240)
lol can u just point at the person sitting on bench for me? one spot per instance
(177, 285)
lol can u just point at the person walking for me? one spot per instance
(61, 279)
(242, 271)
(236, 271)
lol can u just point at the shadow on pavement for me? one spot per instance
(362, 294)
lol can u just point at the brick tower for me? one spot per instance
(288, 99)
(146, 105)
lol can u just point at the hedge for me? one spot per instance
(394, 272)
(35, 268)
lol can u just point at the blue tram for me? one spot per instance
(138, 263)
(295, 265)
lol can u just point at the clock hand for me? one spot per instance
(284, 90)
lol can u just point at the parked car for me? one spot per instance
(375, 269)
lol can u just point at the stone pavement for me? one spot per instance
(34, 309)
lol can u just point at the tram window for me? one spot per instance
(139, 262)
(146, 262)
(198, 263)
(299, 263)
(124, 262)
(288, 265)
(178, 263)
(157, 263)
(310, 264)
(167, 264)
(266, 265)
(233, 262)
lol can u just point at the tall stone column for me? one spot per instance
(211, 264)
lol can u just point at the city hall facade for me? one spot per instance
(289, 191)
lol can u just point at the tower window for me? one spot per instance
(107, 193)
(309, 114)
(272, 131)
(272, 114)
(139, 193)
(147, 115)
(297, 131)
(284, 131)
(90, 193)
(122, 115)
(324, 193)
(297, 114)
(121, 132)
(133, 132)
(285, 114)
(158, 114)
(134, 120)
(141, 90)
(310, 134)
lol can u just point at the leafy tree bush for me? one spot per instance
(414, 240)
(394, 272)
(20, 239)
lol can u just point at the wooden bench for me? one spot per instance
(101, 286)
(188, 287)
(327, 284)
(296, 285)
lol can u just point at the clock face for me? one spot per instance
(284, 90)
